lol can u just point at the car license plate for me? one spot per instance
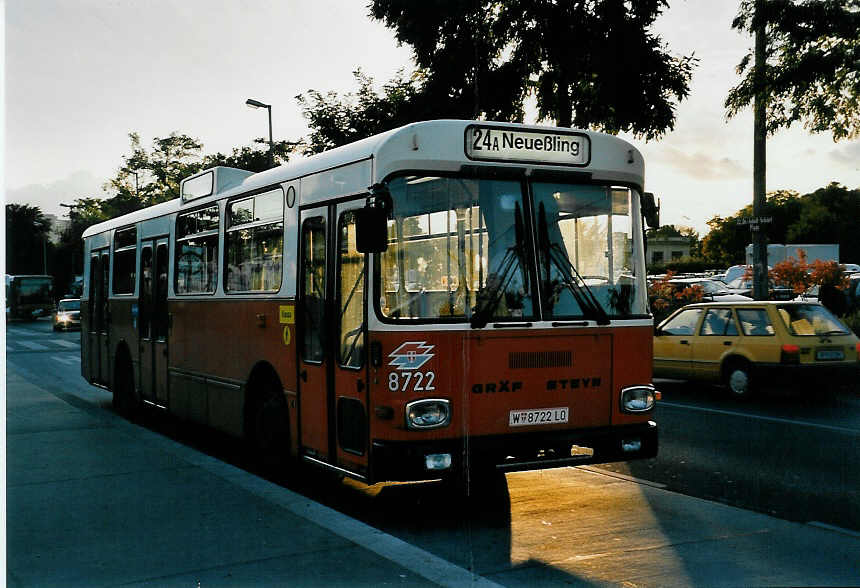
(830, 354)
(538, 416)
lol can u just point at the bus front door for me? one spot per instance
(350, 337)
(315, 398)
(153, 322)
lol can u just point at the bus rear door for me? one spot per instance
(99, 323)
(315, 421)
(153, 322)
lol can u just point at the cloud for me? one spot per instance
(80, 184)
(849, 155)
(700, 166)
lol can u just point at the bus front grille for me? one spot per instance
(539, 359)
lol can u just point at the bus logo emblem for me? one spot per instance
(411, 355)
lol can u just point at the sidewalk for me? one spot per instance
(93, 500)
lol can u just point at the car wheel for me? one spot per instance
(738, 379)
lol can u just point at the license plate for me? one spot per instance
(538, 416)
(830, 354)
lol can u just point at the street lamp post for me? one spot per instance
(257, 104)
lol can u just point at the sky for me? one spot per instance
(82, 74)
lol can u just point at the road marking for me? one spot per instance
(66, 359)
(32, 345)
(626, 478)
(21, 332)
(761, 418)
(69, 344)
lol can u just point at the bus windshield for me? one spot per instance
(465, 246)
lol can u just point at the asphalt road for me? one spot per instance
(784, 456)
(786, 453)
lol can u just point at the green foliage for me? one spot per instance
(828, 215)
(27, 231)
(458, 47)
(253, 159)
(591, 64)
(158, 170)
(337, 120)
(685, 265)
(811, 73)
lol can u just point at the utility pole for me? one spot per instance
(760, 281)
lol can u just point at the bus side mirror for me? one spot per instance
(651, 210)
(371, 231)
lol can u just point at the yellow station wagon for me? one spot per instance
(748, 344)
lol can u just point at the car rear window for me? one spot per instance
(807, 320)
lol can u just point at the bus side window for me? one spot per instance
(350, 294)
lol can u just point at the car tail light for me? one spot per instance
(790, 354)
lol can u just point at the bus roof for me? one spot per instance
(437, 145)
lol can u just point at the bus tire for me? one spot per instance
(124, 399)
(738, 378)
(267, 423)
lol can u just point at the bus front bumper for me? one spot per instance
(401, 461)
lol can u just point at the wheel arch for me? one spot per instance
(262, 375)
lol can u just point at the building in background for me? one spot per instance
(662, 249)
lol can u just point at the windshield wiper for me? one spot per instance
(498, 280)
(552, 252)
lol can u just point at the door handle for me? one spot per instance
(304, 375)
(684, 342)
(727, 343)
(359, 384)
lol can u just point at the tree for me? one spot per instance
(159, 170)
(592, 64)
(827, 215)
(27, 231)
(337, 120)
(251, 159)
(811, 73)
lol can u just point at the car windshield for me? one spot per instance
(67, 305)
(810, 320)
(461, 247)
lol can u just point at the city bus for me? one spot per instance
(440, 300)
(29, 297)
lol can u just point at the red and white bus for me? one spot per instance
(442, 297)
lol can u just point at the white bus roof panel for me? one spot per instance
(438, 145)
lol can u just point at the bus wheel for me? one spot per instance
(738, 379)
(267, 426)
(124, 399)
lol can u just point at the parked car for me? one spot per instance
(713, 290)
(745, 344)
(851, 268)
(745, 288)
(68, 315)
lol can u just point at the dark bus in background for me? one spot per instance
(29, 297)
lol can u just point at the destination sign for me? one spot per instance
(551, 147)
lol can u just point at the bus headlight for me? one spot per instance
(429, 413)
(638, 398)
